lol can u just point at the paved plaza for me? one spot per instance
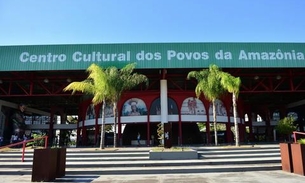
(235, 177)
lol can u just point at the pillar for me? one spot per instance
(164, 113)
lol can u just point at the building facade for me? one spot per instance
(272, 75)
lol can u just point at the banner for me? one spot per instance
(152, 55)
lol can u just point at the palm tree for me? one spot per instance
(120, 81)
(232, 85)
(210, 86)
(96, 85)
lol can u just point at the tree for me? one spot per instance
(210, 86)
(232, 85)
(120, 81)
(286, 126)
(96, 85)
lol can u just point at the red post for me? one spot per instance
(46, 142)
(23, 150)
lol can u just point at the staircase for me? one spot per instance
(129, 161)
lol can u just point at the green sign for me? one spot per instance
(152, 55)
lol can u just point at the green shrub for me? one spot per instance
(301, 141)
(39, 142)
(286, 126)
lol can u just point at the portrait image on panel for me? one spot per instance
(108, 111)
(134, 107)
(156, 107)
(90, 112)
(192, 106)
(172, 106)
(220, 108)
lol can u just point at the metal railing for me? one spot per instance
(295, 135)
(24, 144)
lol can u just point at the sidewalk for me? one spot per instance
(236, 177)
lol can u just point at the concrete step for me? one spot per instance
(136, 161)
(150, 163)
(153, 170)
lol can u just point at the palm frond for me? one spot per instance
(83, 86)
(231, 83)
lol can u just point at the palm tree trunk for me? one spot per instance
(102, 143)
(115, 123)
(215, 123)
(235, 120)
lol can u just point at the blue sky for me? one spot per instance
(34, 22)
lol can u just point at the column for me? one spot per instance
(164, 113)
